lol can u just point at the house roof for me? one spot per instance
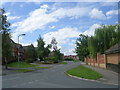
(113, 49)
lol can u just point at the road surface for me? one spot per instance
(53, 77)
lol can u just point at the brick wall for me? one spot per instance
(102, 60)
(113, 58)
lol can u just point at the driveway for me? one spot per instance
(53, 77)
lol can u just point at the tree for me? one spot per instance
(31, 53)
(41, 51)
(104, 38)
(47, 50)
(92, 46)
(82, 47)
(5, 31)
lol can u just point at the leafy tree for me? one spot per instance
(41, 51)
(92, 46)
(82, 47)
(5, 31)
(31, 53)
(58, 55)
(47, 50)
(104, 38)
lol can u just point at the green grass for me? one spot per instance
(42, 67)
(76, 60)
(21, 65)
(23, 70)
(84, 72)
(63, 63)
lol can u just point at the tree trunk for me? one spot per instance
(6, 63)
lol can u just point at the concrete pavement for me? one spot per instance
(50, 78)
(109, 77)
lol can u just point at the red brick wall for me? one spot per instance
(100, 61)
(113, 58)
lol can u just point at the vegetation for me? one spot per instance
(69, 59)
(5, 32)
(84, 72)
(103, 39)
(23, 70)
(31, 54)
(42, 51)
(63, 63)
(76, 60)
(82, 47)
(51, 59)
(42, 67)
(21, 65)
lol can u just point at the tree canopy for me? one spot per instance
(103, 38)
(5, 32)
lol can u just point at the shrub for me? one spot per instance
(29, 60)
(52, 59)
(69, 59)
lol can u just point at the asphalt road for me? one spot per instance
(53, 77)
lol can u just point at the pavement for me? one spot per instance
(53, 77)
(109, 77)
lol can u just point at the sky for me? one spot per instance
(63, 20)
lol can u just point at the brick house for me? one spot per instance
(109, 60)
(75, 57)
(113, 57)
(14, 47)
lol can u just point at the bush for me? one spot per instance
(51, 59)
(69, 59)
(29, 60)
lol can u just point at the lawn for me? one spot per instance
(84, 72)
(62, 63)
(42, 67)
(21, 65)
(76, 60)
(23, 70)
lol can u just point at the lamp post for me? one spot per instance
(18, 46)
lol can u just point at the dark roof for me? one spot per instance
(113, 49)
(26, 47)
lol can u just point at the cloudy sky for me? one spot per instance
(64, 21)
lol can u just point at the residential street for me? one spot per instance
(53, 77)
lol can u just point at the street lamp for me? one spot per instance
(18, 46)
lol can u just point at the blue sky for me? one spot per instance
(64, 21)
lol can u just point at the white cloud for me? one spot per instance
(13, 17)
(110, 13)
(40, 17)
(51, 27)
(26, 44)
(7, 14)
(62, 37)
(68, 51)
(9, 17)
(44, 6)
(90, 31)
(95, 13)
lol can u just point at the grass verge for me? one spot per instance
(21, 65)
(76, 60)
(23, 70)
(63, 63)
(84, 72)
(42, 67)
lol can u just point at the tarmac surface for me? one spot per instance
(53, 77)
